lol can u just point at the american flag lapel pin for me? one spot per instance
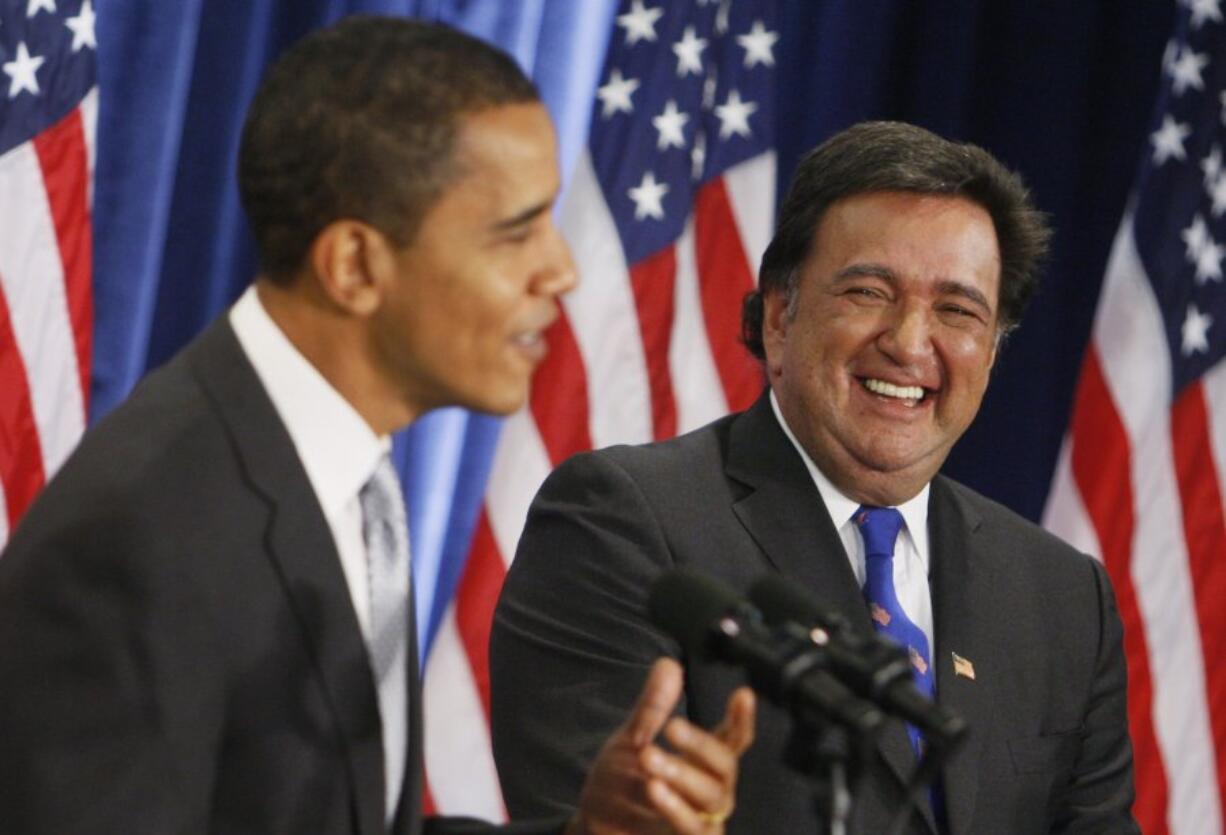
(963, 667)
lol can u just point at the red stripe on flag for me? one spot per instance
(428, 807)
(63, 158)
(1101, 464)
(21, 456)
(1205, 533)
(474, 608)
(559, 395)
(725, 277)
(653, 280)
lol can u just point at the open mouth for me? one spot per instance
(910, 395)
(531, 344)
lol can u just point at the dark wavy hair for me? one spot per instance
(358, 121)
(892, 156)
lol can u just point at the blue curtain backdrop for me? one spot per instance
(1060, 91)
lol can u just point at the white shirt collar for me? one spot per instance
(337, 447)
(841, 508)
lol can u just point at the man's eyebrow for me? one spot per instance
(526, 216)
(950, 287)
(869, 270)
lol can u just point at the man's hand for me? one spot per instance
(635, 786)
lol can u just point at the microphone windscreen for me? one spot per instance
(688, 605)
(781, 601)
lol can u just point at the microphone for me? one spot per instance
(873, 666)
(711, 622)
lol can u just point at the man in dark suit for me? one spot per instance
(900, 262)
(205, 620)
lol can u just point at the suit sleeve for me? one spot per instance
(571, 645)
(1098, 798)
(108, 709)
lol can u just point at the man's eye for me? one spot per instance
(518, 235)
(958, 312)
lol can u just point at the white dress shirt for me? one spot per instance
(910, 551)
(337, 447)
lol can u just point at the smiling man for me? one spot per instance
(206, 619)
(900, 263)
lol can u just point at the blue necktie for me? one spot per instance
(879, 526)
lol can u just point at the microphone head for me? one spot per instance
(781, 601)
(688, 606)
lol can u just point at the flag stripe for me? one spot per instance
(1102, 469)
(726, 278)
(561, 417)
(89, 124)
(1205, 533)
(520, 466)
(603, 316)
(482, 578)
(21, 462)
(697, 387)
(32, 280)
(751, 194)
(460, 760)
(653, 282)
(63, 157)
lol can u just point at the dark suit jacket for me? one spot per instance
(1048, 750)
(178, 649)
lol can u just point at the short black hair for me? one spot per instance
(893, 156)
(358, 121)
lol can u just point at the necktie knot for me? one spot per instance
(879, 526)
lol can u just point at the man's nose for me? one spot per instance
(908, 336)
(559, 275)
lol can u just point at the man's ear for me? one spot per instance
(775, 321)
(352, 262)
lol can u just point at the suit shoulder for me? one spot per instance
(1015, 531)
(163, 447)
(673, 459)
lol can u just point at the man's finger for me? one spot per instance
(702, 787)
(656, 702)
(679, 814)
(736, 730)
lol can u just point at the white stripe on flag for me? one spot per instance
(751, 191)
(520, 465)
(1132, 346)
(1066, 515)
(457, 742)
(89, 120)
(697, 388)
(32, 279)
(603, 316)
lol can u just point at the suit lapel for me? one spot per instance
(301, 547)
(785, 515)
(954, 543)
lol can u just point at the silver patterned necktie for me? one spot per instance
(386, 533)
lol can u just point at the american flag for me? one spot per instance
(1140, 478)
(668, 212)
(48, 113)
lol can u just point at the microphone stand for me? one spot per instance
(827, 756)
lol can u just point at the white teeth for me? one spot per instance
(528, 339)
(890, 390)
